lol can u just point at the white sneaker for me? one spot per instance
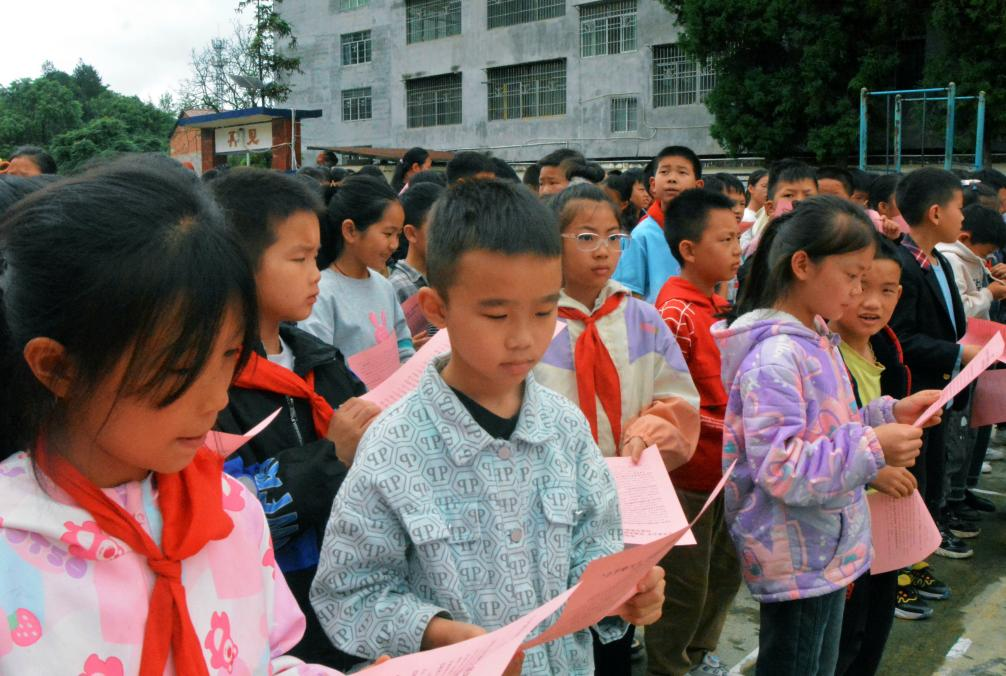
(994, 454)
(986, 468)
(711, 665)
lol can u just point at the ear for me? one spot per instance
(50, 364)
(434, 306)
(964, 237)
(801, 265)
(933, 213)
(769, 208)
(700, 183)
(687, 250)
(411, 233)
(900, 289)
(349, 232)
(653, 183)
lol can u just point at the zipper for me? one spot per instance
(293, 420)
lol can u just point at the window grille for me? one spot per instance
(346, 5)
(433, 101)
(511, 12)
(356, 104)
(356, 48)
(677, 80)
(624, 114)
(608, 28)
(431, 19)
(527, 90)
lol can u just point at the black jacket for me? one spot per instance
(294, 472)
(924, 327)
(896, 380)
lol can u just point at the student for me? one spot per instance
(795, 503)
(757, 195)
(30, 161)
(467, 165)
(862, 181)
(578, 171)
(413, 161)
(734, 189)
(552, 177)
(883, 197)
(640, 196)
(930, 318)
(834, 181)
(789, 180)
(126, 304)
(297, 463)
(872, 356)
(996, 180)
(356, 307)
(647, 264)
(503, 171)
(701, 580)
(514, 498)
(409, 276)
(530, 178)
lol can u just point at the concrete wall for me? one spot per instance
(590, 83)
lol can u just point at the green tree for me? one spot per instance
(271, 60)
(98, 138)
(34, 111)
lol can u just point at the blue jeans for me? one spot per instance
(801, 638)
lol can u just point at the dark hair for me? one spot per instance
(14, 188)
(592, 172)
(862, 181)
(689, 212)
(840, 174)
(754, 177)
(621, 184)
(337, 173)
(255, 201)
(320, 174)
(682, 152)
(490, 215)
(992, 178)
(923, 188)
(417, 200)
(985, 225)
(131, 255)
(649, 170)
(976, 192)
(412, 156)
(820, 226)
(530, 178)
(556, 157)
(466, 164)
(40, 157)
(328, 158)
(361, 199)
(373, 171)
(788, 171)
(713, 184)
(886, 250)
(429, 176)
(732, 183)
(564, 204)
(882, 189)
(633, 176)
(504, 171)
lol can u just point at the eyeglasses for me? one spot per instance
(591, 241)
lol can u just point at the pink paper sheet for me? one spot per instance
(980, 331)
(989, 354)
(989, 396)
(646, 498)
(225, 444)
(414, 316)
(375, 364)
(486, 655)
(610, 581)
(903, 531)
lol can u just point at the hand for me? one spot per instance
(634, 448)
(897, 482)
(380, 660)
(998, 289)
(441, 631)
(969, 352)
(890, 229)
(999, 270)
(646, 606)
(421, 339)
(908, 410)
(349, 422)
(901, 443)
(516, 665)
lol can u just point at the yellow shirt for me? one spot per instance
(864, 372)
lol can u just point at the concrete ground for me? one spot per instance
(965, 635)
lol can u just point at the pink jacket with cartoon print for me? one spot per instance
(74, 600)
(795, 503)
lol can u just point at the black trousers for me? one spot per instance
(866, 624)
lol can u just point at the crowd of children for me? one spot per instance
(797, 326)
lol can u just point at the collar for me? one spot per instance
(415, 276)
(610, 289)
(685, 290)
(917, 253)
(308, 351)
(463, 438)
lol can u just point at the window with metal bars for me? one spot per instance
(346, 5)
(677, 80)
(608, 28)
(527, 90)
(433, 101)
(624, 114)
(511, 12)
(356, 104)
(431, 19)
(355, 48)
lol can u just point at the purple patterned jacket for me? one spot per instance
(795, 504)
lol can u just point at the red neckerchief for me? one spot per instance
(261, 374)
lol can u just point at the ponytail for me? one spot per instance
(361, 199)
(412, 156)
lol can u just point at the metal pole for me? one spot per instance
(293, 139)
(948, 153)
(862, 128)
(897, 134)
(980, 134)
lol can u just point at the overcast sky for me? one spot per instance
(139, 47)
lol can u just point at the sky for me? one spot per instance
(139, 47)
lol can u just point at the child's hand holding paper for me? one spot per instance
(647, 604)
(908, 410)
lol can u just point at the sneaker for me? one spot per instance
(710, 665)
(994, 454)
(986, 468)
(908, 605)
(965, 530)
(965, 513)
(952, 548)
(978, 502)
(926, 584)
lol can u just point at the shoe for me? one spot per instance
(986, 468)
(908, 605)
(999, 436)
(994, 454)
(966, 513)
(710, 665)
(965, 530)
(952, 548)
(978, 502)
(926, 584)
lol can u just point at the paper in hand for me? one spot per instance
(989, 354)
(225, 444)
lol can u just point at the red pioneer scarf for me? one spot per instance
(262, 374)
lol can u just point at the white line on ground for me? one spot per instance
(748, 660)
(959, 648)
(986, 492)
